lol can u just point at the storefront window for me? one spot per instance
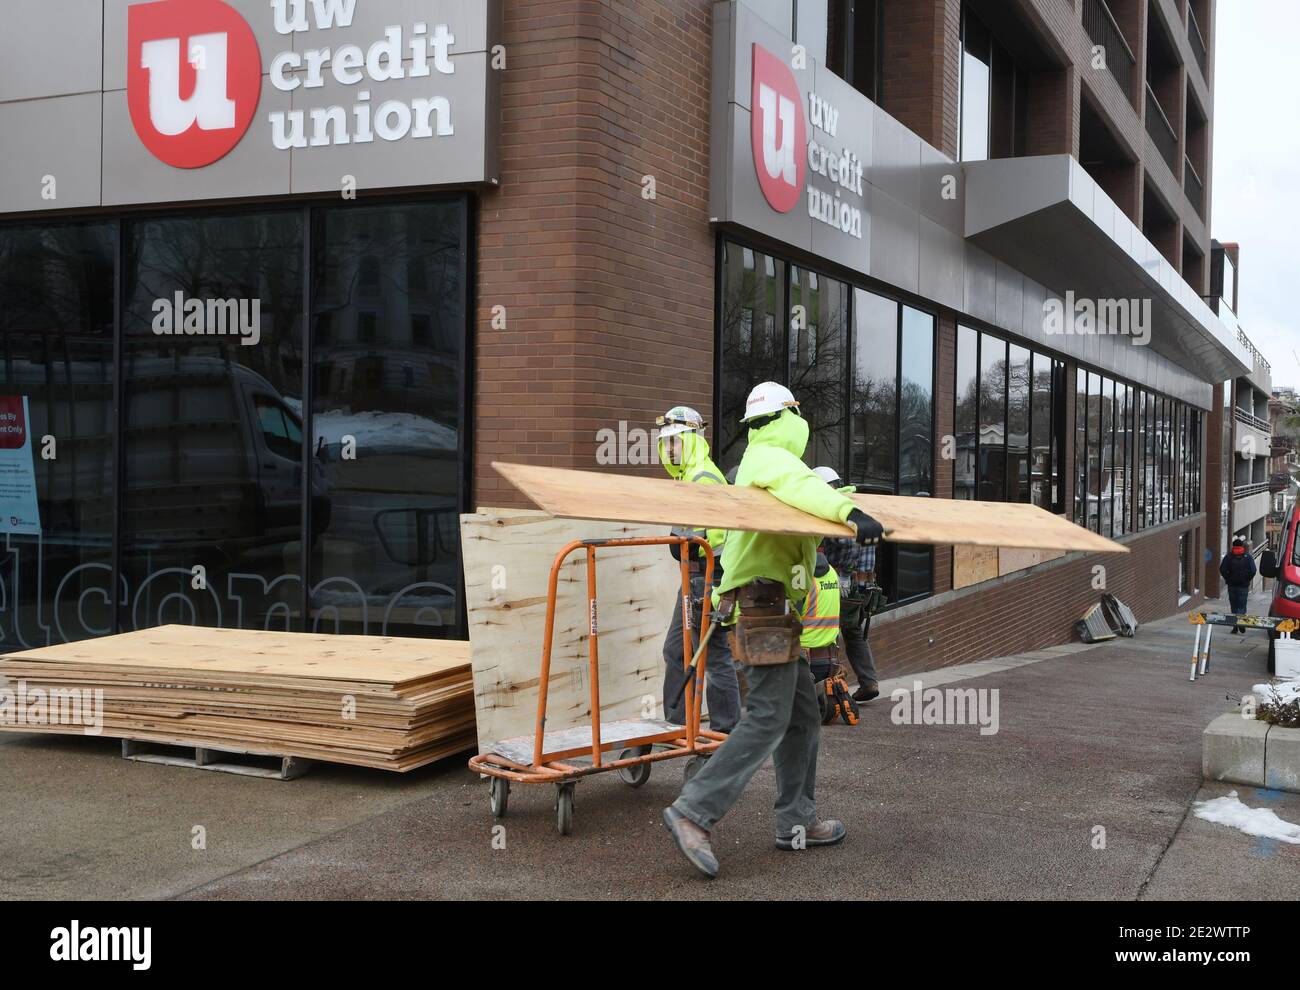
(387, 434)
(874, 460)
(56, 455)
(1006, 443)
(1019, 389)
(819, 330)
(1045, 451)
(211, 486)
(1153, 474)
(223, 491)
(862, 367)
(966, 421)
(992, 461)
(753, 348)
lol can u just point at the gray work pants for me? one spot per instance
(855, 642)
(781, 721)
(720, 687)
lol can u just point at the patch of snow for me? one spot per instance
(1253, 821)
(380, 430)
(1282, 693)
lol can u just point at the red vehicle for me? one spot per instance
(1285, 570)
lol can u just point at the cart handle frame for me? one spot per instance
(694, 686)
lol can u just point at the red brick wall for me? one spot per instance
(921, 70)
(1030, 610)
(608, 296)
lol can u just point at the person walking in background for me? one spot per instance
(1238, 571)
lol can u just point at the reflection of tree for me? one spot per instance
(231, 257)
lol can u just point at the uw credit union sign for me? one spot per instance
(790, 142)
(204, 99)
(194, 78)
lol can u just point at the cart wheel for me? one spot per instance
(637, 775)
(499, 796)
(564, 808)
(693, 766)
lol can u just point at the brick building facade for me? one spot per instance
(586, 241)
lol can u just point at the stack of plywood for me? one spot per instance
(383, 702)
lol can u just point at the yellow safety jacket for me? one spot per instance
(821, 611)
(698, 467)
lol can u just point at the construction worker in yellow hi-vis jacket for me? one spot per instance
(820, 615)
(684, 453)
(760, 597)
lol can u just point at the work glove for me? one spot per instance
(869, 531)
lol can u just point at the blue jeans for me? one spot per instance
(1239, 598)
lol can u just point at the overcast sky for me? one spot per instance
(1257, 169)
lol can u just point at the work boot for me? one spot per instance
(825, 833)
(692, 840)
(867, 692)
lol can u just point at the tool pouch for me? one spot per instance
(766, 633)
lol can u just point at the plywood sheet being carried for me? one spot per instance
(507, 557)
(626, 498)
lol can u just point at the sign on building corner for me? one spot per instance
(194, 78)
(788, 161)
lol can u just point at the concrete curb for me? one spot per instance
(1248, 751)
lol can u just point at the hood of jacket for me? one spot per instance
(695, 455)
(789, 431)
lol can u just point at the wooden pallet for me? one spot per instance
(220, 760)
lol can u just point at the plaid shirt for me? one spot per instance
(846, 556)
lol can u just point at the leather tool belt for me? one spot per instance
(767, 631)
(831, 653)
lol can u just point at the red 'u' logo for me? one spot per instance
(194, 78)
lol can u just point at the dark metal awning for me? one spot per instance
(1047, 217)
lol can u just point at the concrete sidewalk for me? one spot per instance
(1083, 792)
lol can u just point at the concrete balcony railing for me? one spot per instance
(1251, 420)
(1193, 187)
(1162, 132)
(1197, 39)
(1104, 31)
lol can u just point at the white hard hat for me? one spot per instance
(768, 398)
(679, 419)
(828, 475)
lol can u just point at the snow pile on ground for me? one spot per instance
(1253, 821)
(1282, 693)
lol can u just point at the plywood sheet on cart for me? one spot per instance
(628, 498)
(507, 558)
